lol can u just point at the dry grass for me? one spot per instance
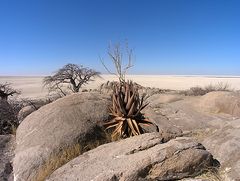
(55, 161)
(64, 156)
(211, 174)
(14, 130)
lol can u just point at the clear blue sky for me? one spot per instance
(168, 36)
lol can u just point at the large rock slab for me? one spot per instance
(55, 127)
(179, 114)
(224, 144)
(211, 119)
(221, 102)
(7, 143)
(158, 99)
(143, 157)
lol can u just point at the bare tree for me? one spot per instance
(116, 55)
(70, 76)
(7, 90)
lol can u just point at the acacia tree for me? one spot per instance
(70, 76)
(7, 90)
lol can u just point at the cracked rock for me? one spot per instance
(143, 157)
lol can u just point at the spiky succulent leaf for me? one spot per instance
(126, 111)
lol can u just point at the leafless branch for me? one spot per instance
(116, 56)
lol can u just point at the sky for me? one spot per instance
(180, 37)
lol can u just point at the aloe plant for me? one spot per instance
(125, 111)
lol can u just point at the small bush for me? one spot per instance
(199, 91)
(8, 116)
(218, 87)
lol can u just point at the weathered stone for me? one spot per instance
(161, 121)
(182, 114)
(221, 102)
(219, 132)
(143, 157)
(158, 99)
(55, 127)
(24, 112)
(195, 179)
(224, 144)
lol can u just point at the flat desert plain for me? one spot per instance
(31, 86)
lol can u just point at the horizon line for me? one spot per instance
(177, 75)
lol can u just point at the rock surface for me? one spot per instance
(159, 99)
(195, 179)
(224, 144)
(31, 105)
(219, 131)
(57, 126)
(212, 118)
(24, 112)
(221, 102)
(180, 114)
(143, 157)
(6, 156)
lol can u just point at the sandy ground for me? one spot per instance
(32, 86)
